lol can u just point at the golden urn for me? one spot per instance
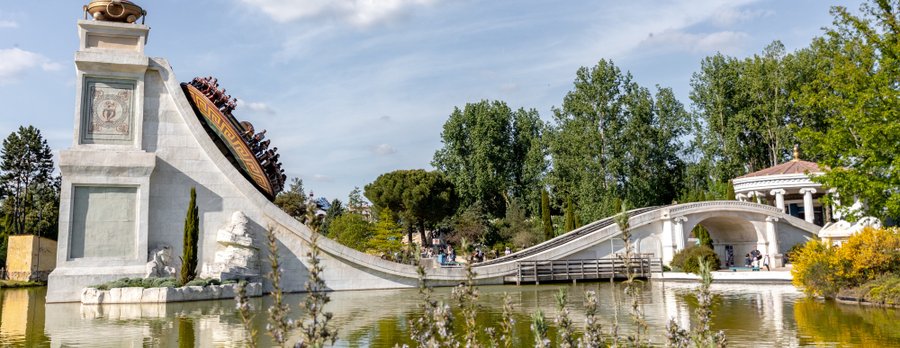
(115, 10)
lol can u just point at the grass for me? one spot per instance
(10, 284)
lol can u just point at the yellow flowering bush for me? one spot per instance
(822, 270)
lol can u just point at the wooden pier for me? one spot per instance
(574, 270)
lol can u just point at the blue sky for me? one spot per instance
(350, 89)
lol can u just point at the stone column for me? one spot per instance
(667, 241)
(741, 197)
(678, 231)
(772, 239)
(808, 211)
(779, 198)
(758, 195)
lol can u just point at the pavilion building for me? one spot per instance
(788, 187)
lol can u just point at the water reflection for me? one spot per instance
(765, 315)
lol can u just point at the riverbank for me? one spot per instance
(12, 284)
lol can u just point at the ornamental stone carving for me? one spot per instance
(109, 112)
(161, 264)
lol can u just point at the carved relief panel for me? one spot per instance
(107, 116)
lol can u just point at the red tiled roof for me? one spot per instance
(795, 166)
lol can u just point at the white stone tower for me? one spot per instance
(104, 197)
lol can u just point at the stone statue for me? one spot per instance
(161, 264)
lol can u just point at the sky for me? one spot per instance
(351, 89)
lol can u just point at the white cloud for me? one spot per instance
(15, 61)
(8, 24)
(257, 107)
(384, 150)
(728, 16)
(361, 13)
(722, 41)
(322, 178)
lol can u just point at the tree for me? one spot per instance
(386, 235)
(472, 225)
(420, 198)
(519, 229)
(334, 211)
(355, 202)
(613, 138)
(570, 215)
(546, 221)
(293, 201)
(493, 154)
(191, 238)
(28, 189)
(857, 91)
(351, 230)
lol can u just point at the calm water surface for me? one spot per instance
(758, 315)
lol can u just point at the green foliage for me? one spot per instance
(688, 259)
(420, 198)
(352, 230)
(386, 234)
(29, 192)
(473, 225)
(191, 238)
(702, 234)
(293, 201)
(334, 211)
(613, 138)
(546, 221)
(493, 154)
(856, 92)
(884, 290)
(139, 283)
(570, 215)
(518, 228)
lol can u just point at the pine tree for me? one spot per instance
(191, 235)
(545, 214)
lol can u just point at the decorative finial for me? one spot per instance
(115, 11)
(796, 152)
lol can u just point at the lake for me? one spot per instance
(750, 315)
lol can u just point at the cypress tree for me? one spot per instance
(729, 191)
(545, 214)
(570, 214)
(191, 235)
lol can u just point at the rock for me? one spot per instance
(235, 257)
(92, 296)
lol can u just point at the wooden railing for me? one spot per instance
(596, 269)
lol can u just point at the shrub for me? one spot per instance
(814, 269)
(687, 260)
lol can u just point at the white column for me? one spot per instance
(772, 238)
(741, 197)
(678, 231)
(779, 198)
(759, 196)
(667, 241)
(808, 203)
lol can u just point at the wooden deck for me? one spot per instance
(574, 270)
